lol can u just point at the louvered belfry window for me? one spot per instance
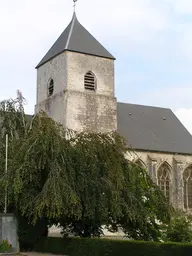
(90, 81)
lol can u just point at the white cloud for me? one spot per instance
(172, 97)
(35, 25)
(28, 29)
(185, 41)
(181, 11)
(181, 6)
(30, 23)
(185, 116)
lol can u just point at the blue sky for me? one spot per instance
(151, 40)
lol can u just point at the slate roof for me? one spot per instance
(152, 129)
(77, 39)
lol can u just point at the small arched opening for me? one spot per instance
(50, 87)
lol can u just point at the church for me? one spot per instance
(75, 86)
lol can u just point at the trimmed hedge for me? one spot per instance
(106, 247)
(30, 234)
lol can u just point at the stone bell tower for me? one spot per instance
(75, 82)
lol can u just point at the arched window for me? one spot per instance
(90, 81)
(50, 87)
(163, 179)
(187, 178)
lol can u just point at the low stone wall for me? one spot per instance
(55, 231)
(8, 231)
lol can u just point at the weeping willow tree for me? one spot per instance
(80, 180)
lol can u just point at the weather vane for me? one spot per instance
(74, 4)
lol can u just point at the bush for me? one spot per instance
(30, 234)
(5, 246)
(106, 247)
(179, 230)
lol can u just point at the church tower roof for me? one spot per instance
(76, 38)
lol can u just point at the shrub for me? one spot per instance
(179, 230)
(30, 234)
(5, 246)
(107, 247)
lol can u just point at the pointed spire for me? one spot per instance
(75, 1)
(76, 38)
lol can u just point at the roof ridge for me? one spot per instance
(71, 29)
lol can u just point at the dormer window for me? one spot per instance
(50, 87)
(90, 81)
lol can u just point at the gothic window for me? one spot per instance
(140, 163)
(50, 87)
(187, 179)
(90, 81)
(163, 180)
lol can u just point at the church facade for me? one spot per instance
(75, 86)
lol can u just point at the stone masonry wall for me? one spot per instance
(177, 163)
(55, 69)
(54, 105)
(72, 105)
(90, 110)
(77, 66)
(87, 111)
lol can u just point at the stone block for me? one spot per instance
(8, 230)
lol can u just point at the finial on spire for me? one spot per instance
(74, 4)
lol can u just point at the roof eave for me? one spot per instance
(160, 151)
(105, 57)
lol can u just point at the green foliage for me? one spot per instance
(80, 180)
(5, 246)
(179, 229)
(103, 247)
